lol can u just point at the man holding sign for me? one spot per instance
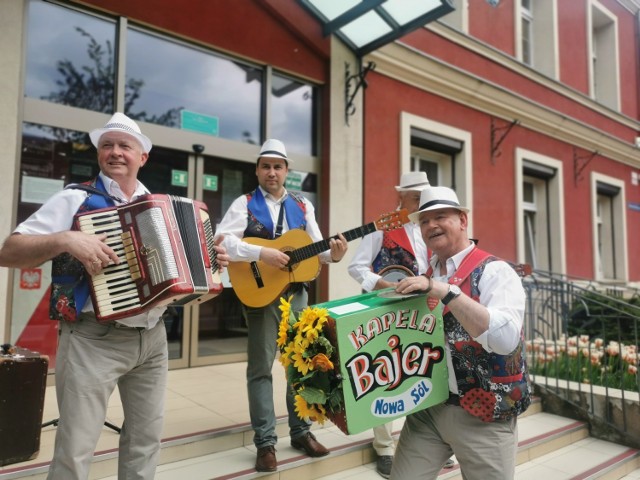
(484, 304)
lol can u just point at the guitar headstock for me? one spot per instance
(392, 220)
(522, 269)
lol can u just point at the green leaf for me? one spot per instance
(313, 395)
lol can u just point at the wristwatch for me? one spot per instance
(454, 292)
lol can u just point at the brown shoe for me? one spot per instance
(266, 459)
(308, 444)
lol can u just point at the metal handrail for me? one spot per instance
(582, 346)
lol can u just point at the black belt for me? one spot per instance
(127, 327)
(454, 399)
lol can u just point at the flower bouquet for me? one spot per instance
(308, 358)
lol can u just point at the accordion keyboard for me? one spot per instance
(114, 287)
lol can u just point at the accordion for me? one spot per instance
(165, 245)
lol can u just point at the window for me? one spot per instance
(604, 71)
(527, 32)
(293, 114)
(434, 154)
(191, 89)
(540, 224)
(609, 232)
(182, 86)
(74, 63)
(441, 150)
(537, 35)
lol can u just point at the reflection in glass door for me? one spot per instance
(218, 330)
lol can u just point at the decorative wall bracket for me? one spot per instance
(497, 141)
(579, 164)
(352, 83)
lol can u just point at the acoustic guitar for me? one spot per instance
(258, 284)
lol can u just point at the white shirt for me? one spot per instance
(56, 215)
(502, 293)
(235, 221)
(369, 248)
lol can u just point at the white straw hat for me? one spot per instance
(413, 182)
(119, 122)
(436, 198)
(273, 148)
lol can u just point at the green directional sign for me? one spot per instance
(293, 181)
(179, 178)
(198, 122)
(210, 182)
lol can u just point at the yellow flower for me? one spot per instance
(313, 412)
(302, 344)
(285, 307)
(283, 333)
(306, 353)
(299, 362)
(313, 320)
(285, 356)
(322, 363)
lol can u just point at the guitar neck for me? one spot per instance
(313, 249)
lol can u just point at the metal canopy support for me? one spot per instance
(352, 84)
(496, 142)
(579, 164)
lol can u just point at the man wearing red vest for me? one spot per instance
(484, 304)
(400, 250)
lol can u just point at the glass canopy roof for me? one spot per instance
(365, 25)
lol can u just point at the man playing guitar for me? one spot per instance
(266, 213)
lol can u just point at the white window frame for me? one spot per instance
(464, 184)
(620, 219)
(543, 18)
(556, 215)
(441, 160)
(604, 54)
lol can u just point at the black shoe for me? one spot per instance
(449, 463)
(383, 465)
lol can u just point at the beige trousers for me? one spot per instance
(429, 437)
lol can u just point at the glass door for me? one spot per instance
(218, 331)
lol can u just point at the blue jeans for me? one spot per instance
(263, 324)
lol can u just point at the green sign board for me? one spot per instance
(197, 122)
(179, 178)
(293, 181)
(392, 357)
(210, 182)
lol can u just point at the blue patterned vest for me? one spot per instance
(69, 279)
(259, 222)
(491, 386)
(396, 250)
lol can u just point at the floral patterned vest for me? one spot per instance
(396, 250)
(69, 279)
(491, 386)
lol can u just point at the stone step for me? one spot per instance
(549, 446)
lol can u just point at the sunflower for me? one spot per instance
(307, 356)
(313, 412)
